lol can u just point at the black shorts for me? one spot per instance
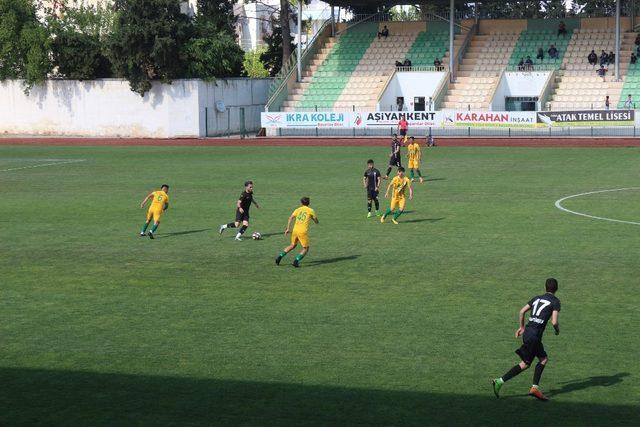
(403, 132)
(395, 161)
(242, 216)
(372, 194)
(531, 348)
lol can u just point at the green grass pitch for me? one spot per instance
(382, 324)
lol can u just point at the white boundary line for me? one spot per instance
(559, 205)
(43, 165)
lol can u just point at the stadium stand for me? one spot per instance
(376, 65)
(333, 74)
(531, 40)
(479, 72)
(352, 69)
(579, 87)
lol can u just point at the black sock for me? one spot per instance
(389, 170)
(231, 225)
(377, 204)
(512, 373)
(242, 229)
(369, 206)
(538, 373)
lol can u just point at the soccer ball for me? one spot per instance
(256, 236)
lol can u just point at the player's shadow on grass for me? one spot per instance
(81, 398)
(435, 179)
(181, 233)
(331, 260)
(409, 221)
(267, 235)
(599, 381)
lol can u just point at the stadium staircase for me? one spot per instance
(632, 80)
(578, 85)
(480, 71)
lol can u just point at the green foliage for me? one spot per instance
(149, 41)
(253, 66)
(79, 39)
(212, 55)
(24, 43)
(272, 57)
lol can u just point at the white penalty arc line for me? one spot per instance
(559, 205)
(43, 165)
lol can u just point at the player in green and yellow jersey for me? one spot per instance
(159, 204)
(415, 155)
(301, 217)
(400, 184)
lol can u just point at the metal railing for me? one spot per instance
(423, 68)
(514, 132)
(532, 68)
(463, 48)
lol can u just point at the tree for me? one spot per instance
(212, 56)
(285, 29)
(78, 39)
(149, 42)
(272, 57)
(253, 66)
(213, 51)
(595, 7)
(24, 43)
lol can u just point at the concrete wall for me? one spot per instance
(108, 108)
(409, 85)
(250, 94)
(518, 84)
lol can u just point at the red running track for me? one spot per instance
(331, 142)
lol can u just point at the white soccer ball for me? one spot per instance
(256, 236)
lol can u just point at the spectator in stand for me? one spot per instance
(553, 52)
(604, 58)
(592, 58)
(528, 64)
(540, 54)
(612, 58)
(607, 105)
(628, 104)
(638, 51)
(384, 33)
(398, 64)
(634, 58)
(562, 29)
(407, 63)
(637, 42)
(438, 64)
(521, 65)
(602, 72)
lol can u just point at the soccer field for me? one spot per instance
(382, 324)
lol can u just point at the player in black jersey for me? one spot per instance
(395, 158)
(543, 308)
(371, 182)
(242, 211)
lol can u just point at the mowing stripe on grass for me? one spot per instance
(43, 165)
(559, 205)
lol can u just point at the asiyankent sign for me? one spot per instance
(419, 119)
(587, 118)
